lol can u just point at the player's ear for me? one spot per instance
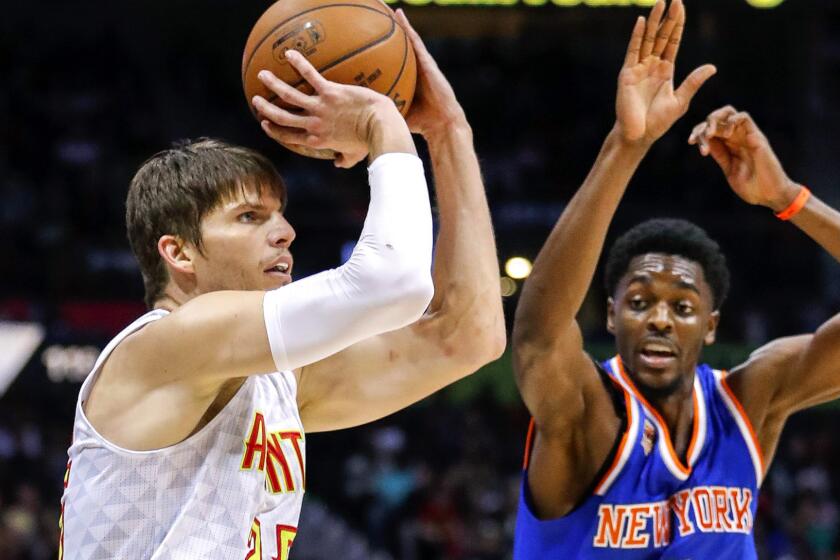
(711, 328)
(176, 253)
(610, 315)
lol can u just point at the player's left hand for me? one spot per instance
(744, 155)
(435, 107)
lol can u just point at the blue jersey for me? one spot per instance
(646, 503)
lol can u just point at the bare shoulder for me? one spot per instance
(757, 381)
(213, 337)
(134, 407)
(556, 378)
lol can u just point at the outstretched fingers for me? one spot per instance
(284, 91)
(419, 47)
(634, 48)
(286, 135)
(676, 13)
(280, 116)
(692, 84)
(305, 69)
(651, 30)
(673, 46)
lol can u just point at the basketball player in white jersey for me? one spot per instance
(189, 434)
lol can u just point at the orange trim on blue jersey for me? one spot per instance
(744, 417)
(679, 464)
(628, 403)
(695, 427)
(528, 442)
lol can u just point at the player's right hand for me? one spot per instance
(647, 104)
(353, 121)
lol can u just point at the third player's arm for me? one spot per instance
(464, 325)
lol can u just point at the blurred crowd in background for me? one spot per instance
(88, 92)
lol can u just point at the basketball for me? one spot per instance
(357, 42)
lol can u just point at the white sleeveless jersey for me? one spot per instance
(233, 490)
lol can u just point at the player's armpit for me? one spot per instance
(787, 375)
(810, 374)
(790, 374)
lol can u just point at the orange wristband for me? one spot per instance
(795, 206)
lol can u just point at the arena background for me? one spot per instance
(88, 90)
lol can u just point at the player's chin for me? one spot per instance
(276, 280)
(659, 376)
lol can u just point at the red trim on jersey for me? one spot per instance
(679, 464)
(528, 443)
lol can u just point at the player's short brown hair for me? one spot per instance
(175, 189)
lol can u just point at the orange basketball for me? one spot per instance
(353, 42)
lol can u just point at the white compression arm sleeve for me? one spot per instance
(386, 284)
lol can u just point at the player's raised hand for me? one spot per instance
(746, 158)
(647, 103)
(350, 120)
(435, 107)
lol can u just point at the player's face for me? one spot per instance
(245, 245)
(662, 315)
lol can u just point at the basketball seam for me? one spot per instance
(352, 54)
(402, 67)
(333, 63)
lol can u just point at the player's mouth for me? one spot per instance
(658, 354)
(281, 268)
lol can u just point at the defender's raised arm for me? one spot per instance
(557, 380)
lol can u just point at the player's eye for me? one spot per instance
(247, 217)
(637, 304)
(684, 308)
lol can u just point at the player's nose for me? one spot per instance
(282, 233)
(660, 319)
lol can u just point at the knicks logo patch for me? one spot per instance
(648, 437)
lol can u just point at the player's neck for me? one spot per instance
(173, 297)
(677, 410)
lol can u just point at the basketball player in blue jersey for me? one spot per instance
(651, 454)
